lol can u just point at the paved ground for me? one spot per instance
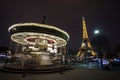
(79, 72)
(75, 74)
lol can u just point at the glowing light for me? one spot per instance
(21, 38)
(96, 31)
(83, 45)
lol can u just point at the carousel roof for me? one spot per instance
(22, 31)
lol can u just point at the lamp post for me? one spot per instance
(97, 33)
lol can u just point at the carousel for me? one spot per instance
(36, 46)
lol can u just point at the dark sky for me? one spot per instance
(65, 14)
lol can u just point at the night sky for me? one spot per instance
(65, 14)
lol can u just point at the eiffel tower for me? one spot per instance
(86, 48)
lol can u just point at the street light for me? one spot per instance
(97, 32)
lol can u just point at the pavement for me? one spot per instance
(75, 73)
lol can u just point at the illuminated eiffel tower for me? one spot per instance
(86, 48)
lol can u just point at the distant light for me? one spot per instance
(96, 31)
(105, 62)
(2, 55)
(88, 51)
(83, 44)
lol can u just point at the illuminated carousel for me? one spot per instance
(38, 47)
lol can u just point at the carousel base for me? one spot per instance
(41, 69)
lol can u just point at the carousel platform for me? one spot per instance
(33, 70)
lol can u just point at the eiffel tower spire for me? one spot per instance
(86, 48)
(85, 34)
